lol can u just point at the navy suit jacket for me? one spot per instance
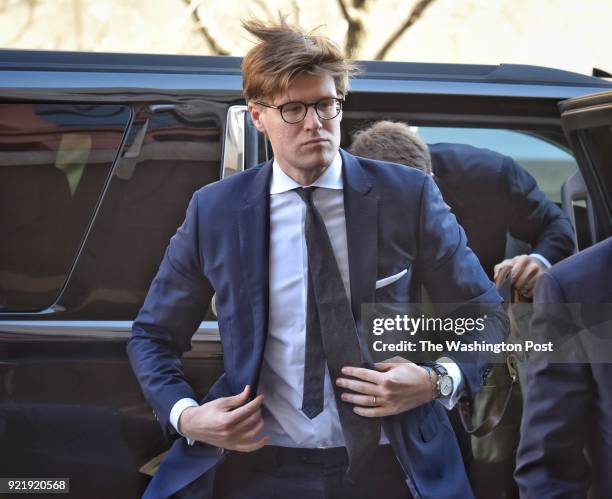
(568, 405)
(491, 195)
(395, 220)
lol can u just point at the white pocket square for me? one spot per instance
(385, 281)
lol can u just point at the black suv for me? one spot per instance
(99, 155)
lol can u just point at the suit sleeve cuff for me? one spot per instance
(176, 412)
(455, 373)
(542, 259)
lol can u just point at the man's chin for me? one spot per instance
(318, 158)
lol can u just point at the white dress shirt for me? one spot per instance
(542, 259)
(282, 372)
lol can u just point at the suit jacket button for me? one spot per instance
(220, 451)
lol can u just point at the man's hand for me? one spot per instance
(524, 271)
(227, 422)
(391, 389)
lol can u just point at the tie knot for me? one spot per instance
(306, 194)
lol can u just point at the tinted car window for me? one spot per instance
(598, 144)
(546, 162)
(170, 153)
(54, 162)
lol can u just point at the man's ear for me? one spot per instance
(255, 111)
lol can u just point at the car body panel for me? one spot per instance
(69, 403)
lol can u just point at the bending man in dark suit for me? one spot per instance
(489, 193)
(296, 414)
(566, 431)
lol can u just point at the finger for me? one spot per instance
(362, 400)
(243, 412)
(502, 273)
(373, 412)
(499, 267)
(506, 263)
(533, 278)
(528, 276)
(250, 447)
(248, 423)
(383, 367)
(251, 434)
(358, 386)
(363, 374)
(518, 268)
(229, 403)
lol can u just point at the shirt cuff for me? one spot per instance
(541, 258)
(176, 412)
(455, 373)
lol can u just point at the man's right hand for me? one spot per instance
(227, 422)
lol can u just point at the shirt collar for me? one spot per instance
(330, 179)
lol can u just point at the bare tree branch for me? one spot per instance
(78, 23)
(345, 10)
(355, 33)
(204, 28)
(297, 11)
(31, 7)
(414, 15)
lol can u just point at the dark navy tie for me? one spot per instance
(331, 336)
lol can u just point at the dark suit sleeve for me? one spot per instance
(558, 401)
(452, 274)
(532, 217)
(173, 309)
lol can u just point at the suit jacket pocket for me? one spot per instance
(385, 281)
(394, 288)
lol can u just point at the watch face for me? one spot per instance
(446, 386)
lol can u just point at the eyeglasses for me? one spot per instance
(294, 112)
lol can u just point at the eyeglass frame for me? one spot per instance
(306, 105)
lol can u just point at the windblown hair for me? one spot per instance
(393, 142)
(284, 52)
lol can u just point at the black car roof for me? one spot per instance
(194, 64)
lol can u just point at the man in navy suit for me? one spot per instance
(566, 430)
(489, 193)
(383, 230)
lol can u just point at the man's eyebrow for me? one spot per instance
(310, 102)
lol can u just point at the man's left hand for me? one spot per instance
(524, 271)
(391, 389)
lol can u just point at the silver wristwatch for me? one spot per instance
(444, 385)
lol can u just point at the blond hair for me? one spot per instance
(393, 142)
(284, 52)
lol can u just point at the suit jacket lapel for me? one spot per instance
(361, 212)
(254, 224)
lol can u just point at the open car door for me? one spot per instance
(587, 122)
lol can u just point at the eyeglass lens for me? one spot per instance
(326, 109)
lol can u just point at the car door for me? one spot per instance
(587, 122)
(92, 187)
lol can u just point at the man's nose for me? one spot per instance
(312, 120)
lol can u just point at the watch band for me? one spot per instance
(432, 379)
(439, 369)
